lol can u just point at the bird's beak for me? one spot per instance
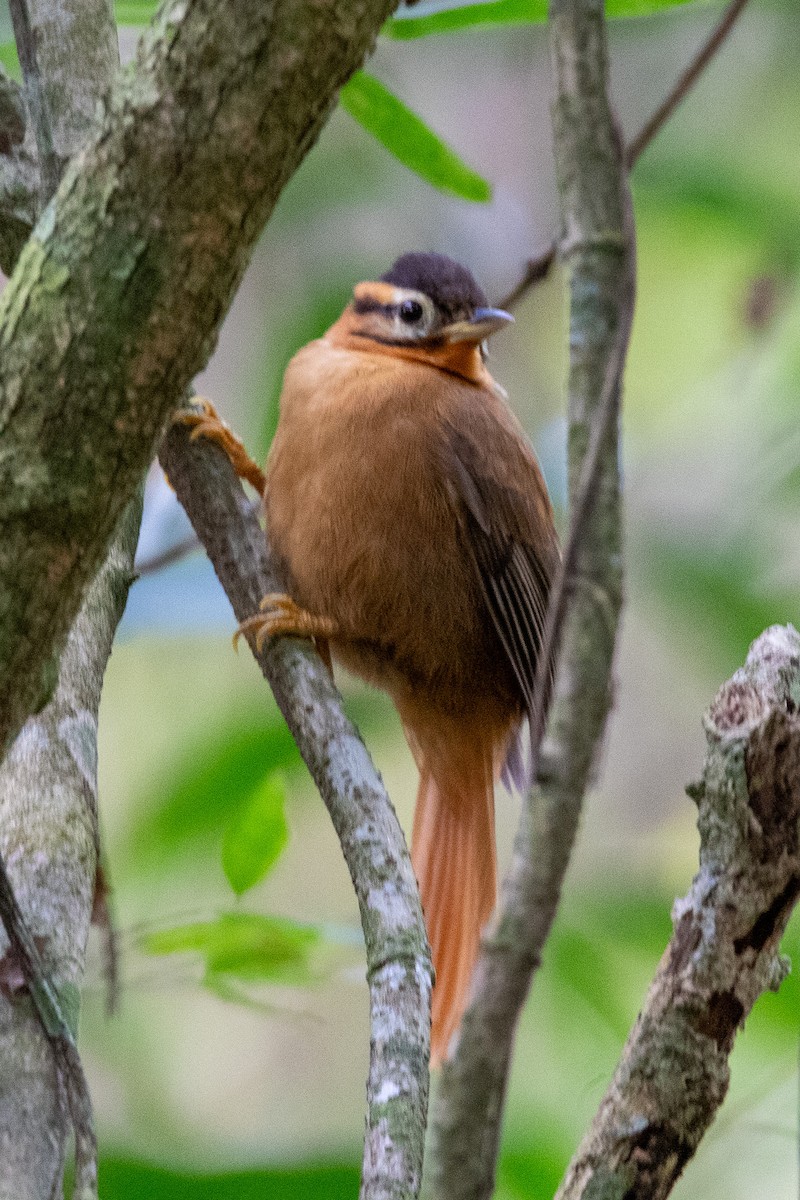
(482, 322)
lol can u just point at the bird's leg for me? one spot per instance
(208, 424)
(280, 616)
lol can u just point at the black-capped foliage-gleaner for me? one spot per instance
(413, 530)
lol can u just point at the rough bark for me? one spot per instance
(399, 968)
(597, 246)
(673, 1074)
(117, 298)
(48, 840)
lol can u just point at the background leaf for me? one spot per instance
(10, 60)
(256, 836)
(408, 138)
(131, 1179)
(134, 12)
(244, 946)
(510, 12)
(218, 778)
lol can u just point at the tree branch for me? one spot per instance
(48, 839)
(49, 35)
(398, 956)
(673, 1073)
(598, 245)
(537, 269)
(196, 146)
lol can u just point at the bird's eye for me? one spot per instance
(410, 311)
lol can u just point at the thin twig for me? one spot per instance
(537, 269)
(684, 83)
(166, 558)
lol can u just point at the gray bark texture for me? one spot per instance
(117, 297)
(673, 1074)
(597, 245)
(399, 969)
(49, 842)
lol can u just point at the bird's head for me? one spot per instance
(424, 300)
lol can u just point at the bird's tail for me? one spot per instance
(453, 852)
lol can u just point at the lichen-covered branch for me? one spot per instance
(116, 300)
(398, 956)
(598, 248)
(673, 1074)
(48, 840)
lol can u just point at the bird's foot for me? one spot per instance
(208, 424)
(279, 616)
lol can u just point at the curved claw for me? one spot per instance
(279, 616)
(208, 424)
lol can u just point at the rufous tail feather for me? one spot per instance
(453, 852)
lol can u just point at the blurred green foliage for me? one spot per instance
(126, 1179)
(243, 946)
(257, 835)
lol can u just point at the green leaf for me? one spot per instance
(216, 780)
(245, 946)
(510, 12)
(256, 836)
(127, 1179)
(408, 138)
(10, 59)
(134, 12)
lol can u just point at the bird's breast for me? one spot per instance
(361, 517)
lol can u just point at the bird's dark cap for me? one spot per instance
(451, 287)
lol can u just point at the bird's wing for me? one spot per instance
(507, 520)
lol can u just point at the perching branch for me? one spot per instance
(673, 1073)
(398, 956)
(597, 244)
(198, 141)
(537, 269)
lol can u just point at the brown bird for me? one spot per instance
(414, 532)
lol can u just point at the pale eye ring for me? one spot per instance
(411, 311)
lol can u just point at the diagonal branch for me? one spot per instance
(598, 245)
(196, 146)
(673, 1073)
(537, 269)
(398, 956)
